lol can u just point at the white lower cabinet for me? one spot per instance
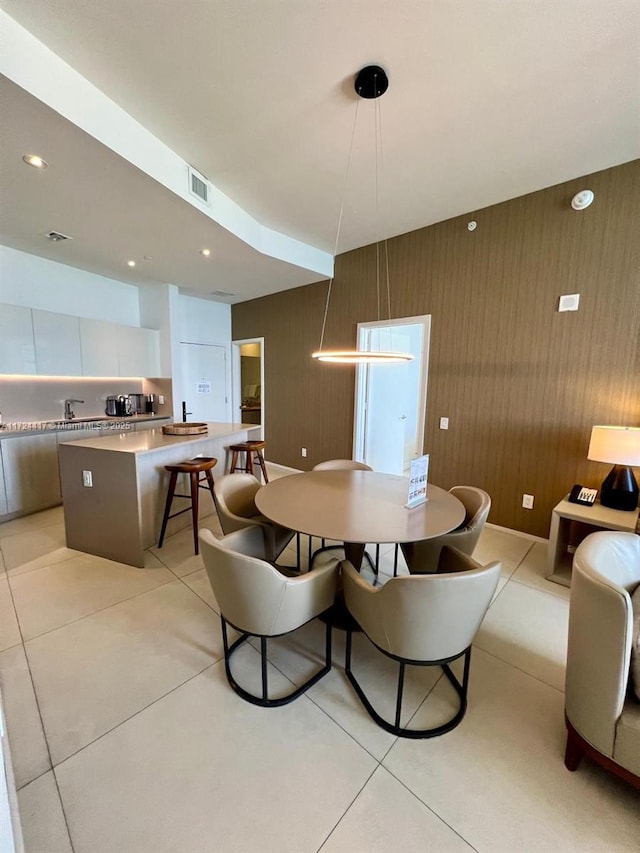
(3, 491)
(31, 473)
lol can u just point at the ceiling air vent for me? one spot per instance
(221, 293)
(56, 236)
(199, 186)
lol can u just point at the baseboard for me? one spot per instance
(279, 467)
(520, 533)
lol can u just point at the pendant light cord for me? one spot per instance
(335, 248)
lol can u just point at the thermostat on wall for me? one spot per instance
(569, 302)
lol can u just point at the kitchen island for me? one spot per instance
(118, 516)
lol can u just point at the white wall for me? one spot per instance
(160, 309)
(35, 282)
(204, 322)
(201, 321)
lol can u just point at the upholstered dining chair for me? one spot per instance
(603, 655)
(234, 496)
(422, 557)
(342, 465)
(260, 600)
(421, 620)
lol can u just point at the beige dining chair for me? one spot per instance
(421, 620)
(234, 496)
(261, 600)
(422, 557)
(341, 465)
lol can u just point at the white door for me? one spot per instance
(391, 398)
(204, 381)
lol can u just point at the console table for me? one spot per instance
(597, 516)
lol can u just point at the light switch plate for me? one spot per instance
(569, 302)
(444, 423)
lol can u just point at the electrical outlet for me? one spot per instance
(87, 479)
(527, 501)
(303, 452)
(161, 399)
(444, 423)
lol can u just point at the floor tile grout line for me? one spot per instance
(136, 713)
(543, 591)
(42, 726)
(30, 529)
(16, 573)
(518, 668)
(340, 726)
(348, 808)
(100, 610)
(429, 808)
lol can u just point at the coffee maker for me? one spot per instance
(138, 403)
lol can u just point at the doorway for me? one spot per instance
(204, 381)
(248, 394)
(390, 399)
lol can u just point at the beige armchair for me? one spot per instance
(341, 465)
(422, 557)
(234, 495)
(260, 600)
(422, 620)
(602, 715)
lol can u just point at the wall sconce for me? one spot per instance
(621, 447)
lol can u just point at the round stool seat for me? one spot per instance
(250, 449)
(199, 463)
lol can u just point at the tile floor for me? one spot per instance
(126, 737)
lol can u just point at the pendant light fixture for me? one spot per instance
(370, 83)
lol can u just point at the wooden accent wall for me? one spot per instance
(520, 383)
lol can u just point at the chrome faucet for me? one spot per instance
(69, 414)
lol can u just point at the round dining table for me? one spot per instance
(357, 507)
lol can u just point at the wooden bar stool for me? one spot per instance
(251, 449)
(195, 468)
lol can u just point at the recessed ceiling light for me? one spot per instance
(205, 252)
(35, 160)
(131, 263)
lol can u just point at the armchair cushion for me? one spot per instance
(635, 642)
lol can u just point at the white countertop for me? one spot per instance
(18, 429)
(154, 439)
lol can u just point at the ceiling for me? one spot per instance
(487, 101)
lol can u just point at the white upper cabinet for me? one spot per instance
(57, 341)
(50, 344)
(138, 351)
(17, 350)
(99, 342)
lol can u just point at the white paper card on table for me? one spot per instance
(418, 481)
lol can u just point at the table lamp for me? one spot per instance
(621, 447)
